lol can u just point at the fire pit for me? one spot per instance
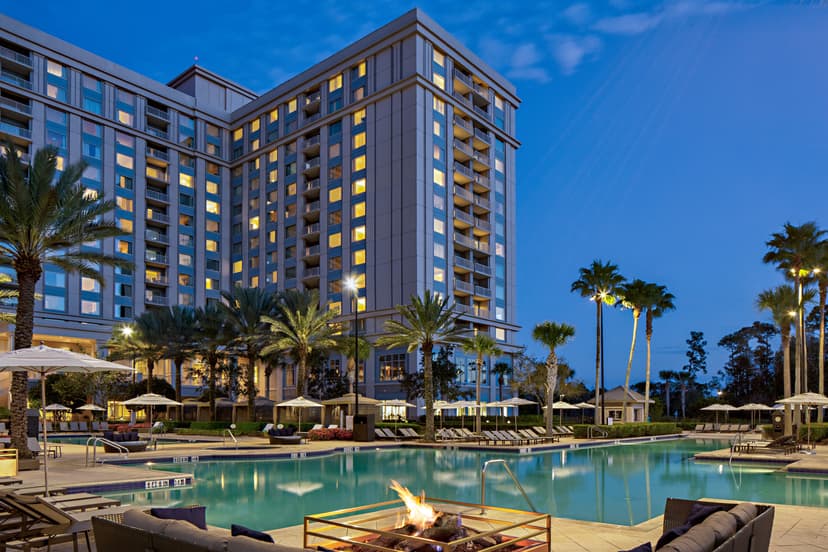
(410, 524)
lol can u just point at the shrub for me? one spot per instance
(619, 431)
(326, 434)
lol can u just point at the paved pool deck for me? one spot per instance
(796, 528)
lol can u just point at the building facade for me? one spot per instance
(391, 162)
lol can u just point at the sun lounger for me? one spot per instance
(104, 426)
(563, 430)
(317, 426)
(699, 428)
(73, 426)
(267, 428)
(96, 426)
(539, 430)
(410, 432)
(787, 444)
(709, 427)
(744, 428)
(63, 426)
(379, 434)
(83, 426)
(333, 426)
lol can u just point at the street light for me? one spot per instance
(351, 284)
(127, 332)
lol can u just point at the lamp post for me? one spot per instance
(127, 332)
(351, 284)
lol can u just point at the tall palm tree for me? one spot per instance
(301, 332)
(145, 341)
(552, 335)
(782, 301)
(822, 287)
(180, 324)
(668, 377)
(633, 295)
(243, 309)
(212, 338)
(659, 301)
(501, 370)
(45, 217)
(354, 352)
(426, 321)
(481, 345)
(598, 282)
(794, 251)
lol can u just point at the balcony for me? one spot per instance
(157, 114)
(462, 151)
(311, 188)
(313, 118)
(156, 174)
(156, 237)
(463, 264)
(313, 207)
(482, 226)
(481, 93)
(156, 153)
(480, 161)
(481, 183)
(311, 167)
(485, 270)
(155, 299)
(463, 240)
(483, 112)
(311, 145)
(14, 130)
(482, 139)
(17, 107)
(156, 279)
(462, 196)
(312, 102)
(462, 82)
(16, 58)
(312, 229)
(157, 132)
(463, 288)
(155, 216)
(464, 219)
(16, 80)
(462, 128)
(462, 173)
(482, 291)
(480, 311)
(311, 273)
(157, 196)
(481, 245)
(157, 258)
(312, 252)
(481, 204)
(466, 101)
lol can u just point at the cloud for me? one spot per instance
(643, 21)
(628, 24)
(577, 14)
(569, 50)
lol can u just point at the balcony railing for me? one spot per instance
(482, 269)
(311, 164)
(312, 206)
(155, 299)
(482, 224)
(158, 154)
(160, 280)
(156, 174)
(312, 185)
(16, 130)
(16, 106)
(463, 263)
(312, 272)
(481, 157)
(313, 251)
(462, 123)
(482, 291)
(463, 240)
(464, 147)
(464, 193)
(15, 80)
(158, 196)
(462, 169)
(463, 286)
(463, 216)
(158, 217)
(479, 201)
(158, 132)
(22, 59)
(311, 118)
(311, 142)
(463, 99)
(154, 257)
(481, 180)
(158, 113)
(482, 112)
(156, 237)
(481, 246)
(462, 77)
(482, 135)
(312, 228)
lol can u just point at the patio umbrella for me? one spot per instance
(397, 402)
(43, 361)
(515, 402)
(90, 406)
(584, 406)
(807, 399)
(439, 406)
(151, 400)
(56, 408)
(754, 407)
(300, 403)
(717, 407)
(460, 405)
(563, 405)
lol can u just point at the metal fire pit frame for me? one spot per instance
(363, 525)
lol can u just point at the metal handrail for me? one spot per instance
(95, 440)
(517, 483)
(593, 429)
(224, 435)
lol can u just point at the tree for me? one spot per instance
(781, 301)
(501, 370)
(659, 302)
(180, 326)
(325, 382)
(243, 309)
(668, 377)
(143, 340)
(426, 321)
(481, 345)
(444, 376)
(298, 333)
(45, 218)
(598, 283)
(354, 352)
(822, 288)
(529, 377)
(747, 373)
(552, 335)
(795, 251)
(634, 295)
(211, 339)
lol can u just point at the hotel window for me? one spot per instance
(211, 283)
(359, 140)
(359, 70)
(335, 194)
(185, 180)
(212, 225)
(358, 257)
(212, 245)
(123, 203)
(292, 106)
(335, 306)
(184, 280)
(237, 267)
(334, 218)
(91, 91)
(439, 202)
(54, 303)
(358, 163)
(439, 226)
(358, 186)
(439, 105)
(185, 260)
(362, 304)
(439, 250)
(500, 334)
(358, 117)
(273, 156)
(125, 140)
(212, 187)
(335, 239)
(438, 128)
(254, 125)
(439, 177)
(439, 58)
(290, 190)
(358, 210)
(335, 172)
(254, 223)
(358, 233)
(125, 225)
(335, 83)
(439, 274)
(238, 134)
(90, 308)
(273, 116)
(334, 150)
(391, 367)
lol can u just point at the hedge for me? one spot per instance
(618, 431)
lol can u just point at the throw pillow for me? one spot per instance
(669, 536)
(236, 530)
(744, 513)
(700, 511)
(646, 547)
(197, 515)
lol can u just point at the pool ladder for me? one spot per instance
(224, 435)
(512, 475)
(94, 441)
(593, 429)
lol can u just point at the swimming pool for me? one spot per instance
(82, 439)
(623, 484)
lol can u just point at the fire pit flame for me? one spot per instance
(419, 514)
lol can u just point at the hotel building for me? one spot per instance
(392, 161)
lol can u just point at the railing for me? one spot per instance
(311, 118)
(158, 113)
(462, 169)
(464, 147)
(311, 164)
(312, 206)
(312, 141)
(313, 251)
(463, 286)
(313, 98)
(482, 224)
(463, 99)
(22, 59)
(482, 291)
(158, 154)
(482, 158)
(462, 123)
(482, 269)
(17, 106)
(312, 228)
(482, 202)
(94, 441)
(157, 217)
(482, 135)
(156, 299)
(464, 216)
(463, 240)
(158, 196)
(312, 185)
(482, 112)
(16, 130)
(14, 79)
(463, 263)
(482, 92)
(593, 429)
(156, 237)
(462, 77)
(155, 257)
(156, 174)
(517, 483)
(481, 180)
(160, 280)
(312, 272)
(158, 132)
(464, 193)
(224, 435)
(481, 246)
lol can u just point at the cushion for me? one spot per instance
(723, 525)
(197, 515)
(137, 518)
(247, 532)
(183, 532)
(699, 512)
(697, 539)
(744, 513)
(645, 547)
(246, 544)
(668, 536)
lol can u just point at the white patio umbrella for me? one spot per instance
(56, 407)
(150, 400)
(563, 405)
(717, 407)
(301, 403)
(516, 402)
(397, 402)
(807, 399)
(439, 406)
(90, 406)
(584, 406)
(43, 361)
(754, 407)
(460, 405)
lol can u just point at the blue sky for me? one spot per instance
(669, 137)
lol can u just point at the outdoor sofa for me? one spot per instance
(705, 526)
(129, 440)
(284, 436)
(138, 531)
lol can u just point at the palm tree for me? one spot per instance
(211, 340)
(782, 301)
(354, 352)
(481, 345)
(659, 301)
(667, 376)
(822, 287)
(632, 295)
(552, 335)
(501, 370)
(243, 309)
(301, 332)
(144, 341)
(794, 251)
(599, 283)
(44, 219)
(427, 321)
(180, 325)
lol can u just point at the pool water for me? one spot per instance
(623, 484)
(82, 439)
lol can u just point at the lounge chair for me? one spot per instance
(563, 430)
(743, 428)
(73, 426)
(64, 426)
(158, 428)
(539, 430)
(317, 426)
(529, 434)
(379, 434)
(410, 432)
(787, 444)
(49, 427)
(83, 426)
(699, 428)
(34, 445)
(709, 427)
(333, 426)
(104, 426)
(96, 426)
(267, 428)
